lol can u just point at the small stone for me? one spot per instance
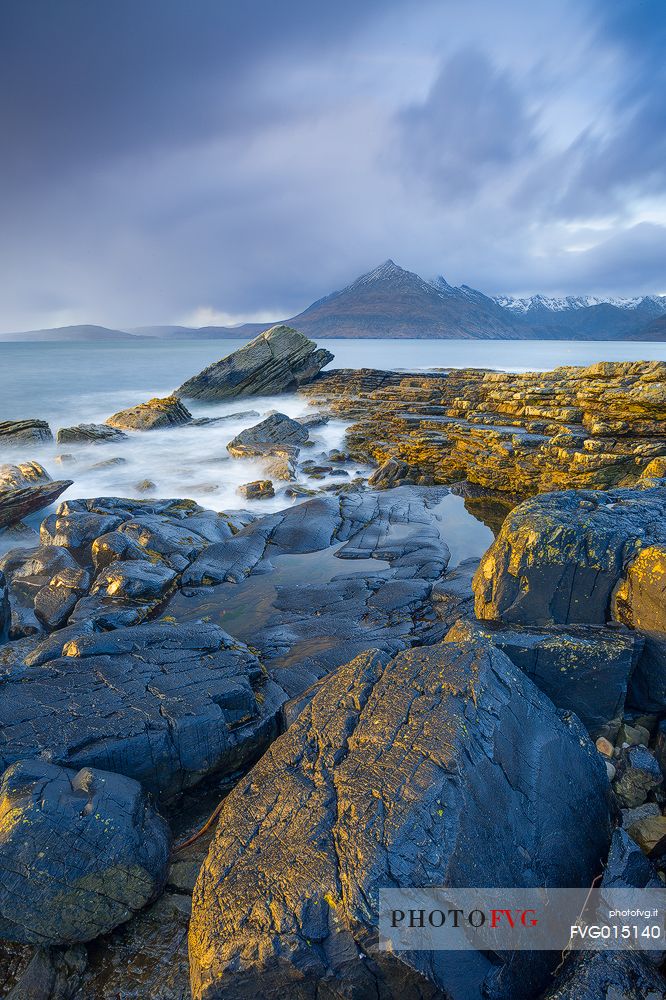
(610, 770)
(604, 746)
(145, 486)
(631, 816)
(64, 459)
(632, 736)
(639, 773)
(260, 489)
(650, 835)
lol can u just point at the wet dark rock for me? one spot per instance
(22, 432)
(585, 557)
(279, 360)
(608, 975)
(630, 816)
(89, 433)
(583, 668)
(156, 414)
(96, 852)
(162, 703)
(5, 613)
(51, 974)
(638, 774)
(627, 866)
(260, 489)
(314, 420)
(328, 579)
(25, 489)
(452, 596)
(54, 603)
(387, 778)
(28, 572)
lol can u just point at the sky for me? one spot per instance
(218, 161)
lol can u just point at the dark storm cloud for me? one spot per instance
(164, 159)
(473, 123)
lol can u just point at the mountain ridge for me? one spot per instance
(392, 302)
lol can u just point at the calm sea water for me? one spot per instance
(67, 383)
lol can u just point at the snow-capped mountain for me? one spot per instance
(652, 304)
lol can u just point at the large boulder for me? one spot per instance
(584, 668)
(156, 414)
(390, 777)
(162, 703)
(585, 557)
(16, 433)
(279, 360)
(79, 852)
(88, 433)
(26, 488)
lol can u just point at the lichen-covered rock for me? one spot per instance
(588, 557)
(156, 414)
(79, 852)
(638, 774)
(25, 489)
(88, 433)
(16, 433)
(392, 473)
(639, 601)
(162, 703)
(584, 668)
(279, 360)
(585, 428)
(389, 777)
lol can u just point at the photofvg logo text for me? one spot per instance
(441, 919)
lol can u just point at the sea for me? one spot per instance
(70, 383)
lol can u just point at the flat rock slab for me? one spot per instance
(279, 360)
(390, 777)
(80, 853)
(312, 586)
(161, 703)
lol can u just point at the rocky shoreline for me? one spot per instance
(363, 700)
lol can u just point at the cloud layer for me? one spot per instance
(165, 161)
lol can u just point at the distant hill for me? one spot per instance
(392, 302)
(86, 332)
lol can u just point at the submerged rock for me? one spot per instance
(79, 854)
(16, 433)
(26, 488)
(87, 433)
(154, 415)
(162, 703)
(279, 360)
(388, 778)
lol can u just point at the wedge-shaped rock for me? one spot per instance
(25, 489)
(277, 429)
(161, 703)
(279, 360)
(391, 776)
(154, 415)
(80, 852)
(584, 668)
